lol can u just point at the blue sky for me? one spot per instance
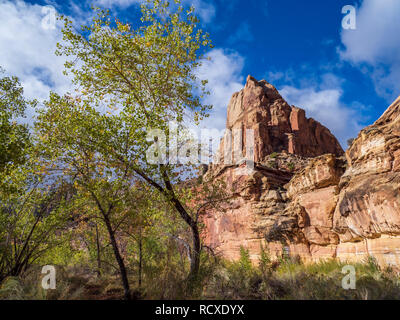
(343, 78)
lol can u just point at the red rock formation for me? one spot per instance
(306, 197)
(368, 208)
(256, 196)
(277, 126)
(314, 189)
(283, 140)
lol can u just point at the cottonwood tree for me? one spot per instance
(146, 77)
(14, 136)
(31, 211)
(67, 135)
(140, 223)
(29, 223)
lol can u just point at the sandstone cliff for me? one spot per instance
(303, 196)
(277, 126)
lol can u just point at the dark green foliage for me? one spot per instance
(14, 136)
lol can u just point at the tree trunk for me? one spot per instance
(195, 256)
(140, 261)
(98, 252)
(121, 264)
(169, 193)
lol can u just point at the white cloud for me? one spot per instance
(222, 68)
(374, 46)
(205, 10)
(223, 72)
(325, 106)
(79, 12)
(28, 49)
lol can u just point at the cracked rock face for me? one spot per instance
(303, 196)
(278, 127)
(368, 208)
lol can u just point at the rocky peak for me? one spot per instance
(278, 127)
(298, 201)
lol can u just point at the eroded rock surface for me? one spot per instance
(368, 208)
(278, 127)
(303, 196)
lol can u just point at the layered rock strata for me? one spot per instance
(303, 196)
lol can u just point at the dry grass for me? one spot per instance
(284, 279)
